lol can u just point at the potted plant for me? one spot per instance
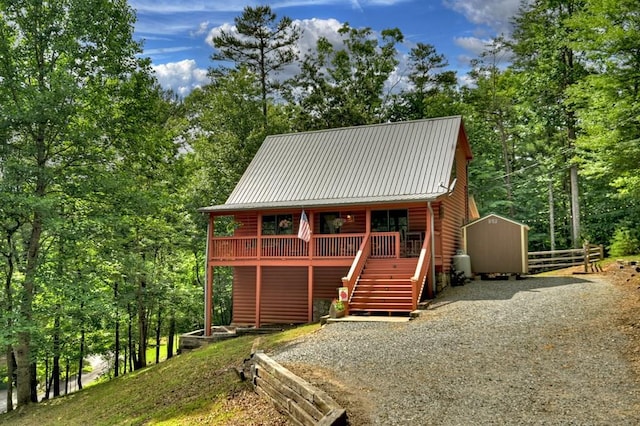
(337, 309)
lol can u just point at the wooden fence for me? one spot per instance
(588, 256)
(305, 404)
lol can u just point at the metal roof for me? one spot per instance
(393, 162)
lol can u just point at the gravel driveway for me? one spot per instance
(538, 351)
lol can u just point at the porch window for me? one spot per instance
(390, 221)
(279, 224)
(330, 223)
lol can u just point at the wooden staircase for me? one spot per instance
(384, 286)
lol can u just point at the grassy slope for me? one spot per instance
(181, 390)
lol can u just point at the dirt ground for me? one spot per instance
(625, 277)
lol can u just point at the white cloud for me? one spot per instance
(472, 44)
(496, 14)
(202, 29)
(181, 77)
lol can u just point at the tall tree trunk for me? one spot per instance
(33, 384)
(124, 364)
(143, 324)
(56, 356)
(66, 377)
(130, 340)
(23, 347)
(81, 356)
(504, 142)
(158, 329)
(9, 311)
(47, 385)
(10, 379)
(116, 366)
(575, 208)
(171, 338)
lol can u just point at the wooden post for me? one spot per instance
(311, 251)
(585, 248)
(208, 303)
(208, 271)
(310, 294)
(258, 293)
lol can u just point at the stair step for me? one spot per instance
(364, 288)
(384, 280)
(381, 300)
(381, 307)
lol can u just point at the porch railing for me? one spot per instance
(383, 245)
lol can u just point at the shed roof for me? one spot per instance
(493, 215)
(383, 163)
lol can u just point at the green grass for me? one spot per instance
(178, 391)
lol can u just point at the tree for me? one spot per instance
(545, 57)
(59, 64)
(261, 44)
(494, 97)
(433, 90)
(339, 87)
(608, 106)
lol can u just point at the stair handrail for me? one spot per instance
(424, 261)
(358, 264)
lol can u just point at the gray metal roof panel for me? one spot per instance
(390, 162)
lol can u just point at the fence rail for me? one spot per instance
(588, 256)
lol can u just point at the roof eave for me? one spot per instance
(224, 208)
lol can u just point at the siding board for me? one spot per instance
(284, 295)
(244, 295)
(326, 281)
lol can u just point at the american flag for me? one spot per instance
(304, 232)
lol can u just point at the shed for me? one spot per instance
(497, 245)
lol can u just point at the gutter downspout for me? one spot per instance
(433, 247)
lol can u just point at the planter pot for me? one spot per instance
(333, 313)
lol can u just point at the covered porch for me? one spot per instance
(274, 269)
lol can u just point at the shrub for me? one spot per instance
(625, 242)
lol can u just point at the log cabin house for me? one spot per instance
(384, 205)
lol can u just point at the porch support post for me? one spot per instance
(259, 242)
(258, 293)
(208, 272)
(368, 220)
(311, 244)
(310, 294)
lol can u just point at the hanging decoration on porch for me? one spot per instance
(338, 222)
(284, 223)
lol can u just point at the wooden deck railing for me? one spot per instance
(342, 245)
(383, 244)
(422, 269)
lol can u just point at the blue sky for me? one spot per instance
(177, 33)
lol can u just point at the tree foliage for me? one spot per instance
(261, 45)
(345, 85)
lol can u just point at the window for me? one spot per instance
(328, 223)
(389, 221)
(280, 224)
